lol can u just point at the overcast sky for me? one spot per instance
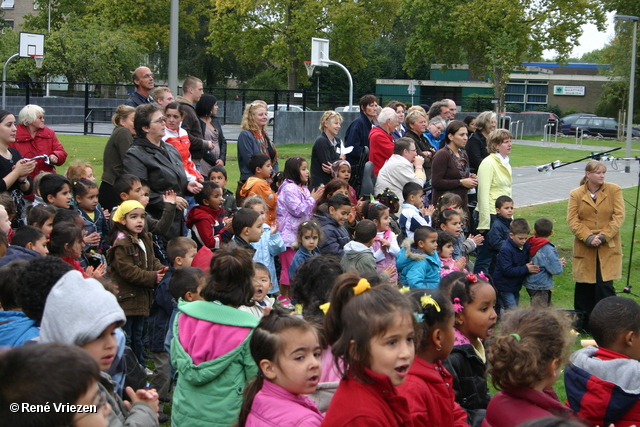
(591, 39)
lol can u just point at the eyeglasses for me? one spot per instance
(102, 402)
(160, 120)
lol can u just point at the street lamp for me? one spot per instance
(635, 20)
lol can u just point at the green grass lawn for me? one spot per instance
(635, 145)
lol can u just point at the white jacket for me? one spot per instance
(395, 173)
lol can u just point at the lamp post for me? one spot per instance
(634, 19)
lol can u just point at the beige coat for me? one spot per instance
(604, 216)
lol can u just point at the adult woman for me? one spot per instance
(400, 109)
(381, 143)
(325, 149)
(117, 146)
(595, 215)
(253, 138)
(357, 135)
(477, 144)
(450, 166)
(494, 175)
(470, 121)
(33, 138)
(160, 164)
(14, 170)
(434, 132)
(206, 110)
(416, 122)
(404, 166)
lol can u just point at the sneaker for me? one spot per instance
(285, 302)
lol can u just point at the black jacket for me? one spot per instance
(476, 149)
(323, 151)
(191, 123)
(161, 166)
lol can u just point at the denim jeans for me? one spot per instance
(133, 331)
(509, 300)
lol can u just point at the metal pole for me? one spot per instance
(4, 79)
(173, 46)
(348, 75)
(627, 166)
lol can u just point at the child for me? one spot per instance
(287, 351)
(208, 221)
(513, 265)
(390, 200)
(447, 200)
(26, 376)
(86, 195)
(56, 190)
(429, 386)
(179, 138)
(5, 223)
(261, 302)
(526, 359)
(4, 243)
(212, 372)
(371, 333)
(28, 242)
(496, 236)
(341, 169)
(418, 262)
(309, 234)
(80, 171)
(15, 326)
(134, 268)
(543, 254)
(218, 174)
(8, 218)
(247, 229)
(270, 245)
(334, 186)
(295, 205)
(602, 382)
(385, 246)
(180, 251)
(358, 253)
(81, 312)
(473, 299)
(67, 242)
(257, 185)
(332, 223)
(414, 214)
(37, 198)
(450, 221)
(445, 252)
(41, 216)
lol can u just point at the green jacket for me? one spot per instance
(210, 394)
(358, 258)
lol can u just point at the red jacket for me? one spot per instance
(380, 147)
(367, 405)
(429, 392)
(510, 408)
(207, 226)
(45, 142)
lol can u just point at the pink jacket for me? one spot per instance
(294, 206)
(389, 256)
(275, 406)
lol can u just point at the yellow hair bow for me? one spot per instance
(325, 307)
(426, 300)
(297, 309)
(363, 285)
(404, 289)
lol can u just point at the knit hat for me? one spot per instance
(335, 167)
(124, 209)
(78, 310)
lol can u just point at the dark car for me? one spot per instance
(603, 126)
(567, 121)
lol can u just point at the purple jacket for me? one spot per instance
(294, 206)
(275, 406)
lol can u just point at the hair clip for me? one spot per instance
(471, 278)
(426, 300)
(419, 317)
(324, 307)
(363, 285)
(483, 276)
(449, 208)
(404, 289)
(373, 201)
(304, 223)
(457, 307)
(516, 336)
(297, 309)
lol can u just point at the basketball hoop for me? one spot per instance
(38, 59)
(309, 67)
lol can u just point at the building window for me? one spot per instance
(538, 99)
(514, 98)
(7, 4)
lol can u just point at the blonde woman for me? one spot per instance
(326, 149)
(494, 175)
(254, 139)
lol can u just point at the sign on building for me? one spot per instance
(569, 90)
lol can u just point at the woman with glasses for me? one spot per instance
(416, 122)
(434, 131)
(159, 164)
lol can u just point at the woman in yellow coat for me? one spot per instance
(494, 176)
(595, 215)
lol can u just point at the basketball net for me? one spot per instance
(309, 67)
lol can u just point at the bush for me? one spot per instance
(477, 102)
(569, 111)
(550, 109)
(514, 108)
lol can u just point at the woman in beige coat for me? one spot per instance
(595, 215)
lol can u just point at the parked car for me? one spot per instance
(284, 107)
(567, 121)
(604, 126)
(353, 108)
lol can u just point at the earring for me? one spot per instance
(438, 348)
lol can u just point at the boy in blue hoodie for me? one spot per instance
(28, 242)
(418, 262)
(543, 254)
(15, 326)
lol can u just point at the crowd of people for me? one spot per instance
(296, 300)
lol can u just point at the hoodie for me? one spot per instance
(207, 226)
(259, 187)
(418, 269)
(358, 257)
(15, 253)
(543, 254)
(16, 328)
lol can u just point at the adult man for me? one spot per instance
(404, 166)
(163, 96)
(192, 91)
(143, 79)
(380, 138)
(440, 108)
(453, 108)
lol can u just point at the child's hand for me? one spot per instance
(275, 226)
(384, 244)
(359, 205)
(478, 239)
(352, 215)
(181, 204)
(150, 397)
(194, 187)
(563, 262)
(228, 223)
(533, 268)
(96, 273)
(390, 271)
(92, 239)
(107, 214)
(428, 211)
(160, 274)
(317, 193)
(169, 197)
(461, 263)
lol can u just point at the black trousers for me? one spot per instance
(587, 295)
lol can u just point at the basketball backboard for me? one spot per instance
(31, 44)
(319, 52)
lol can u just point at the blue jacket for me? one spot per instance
(16, 328)
(299, 258)
(161, 309)
(417, 269)
(357, 136)
(543, 254)
(493, 241)
(411, 219)
(511, 268)
(15, 253)
(98, 224)
(335, 236)
(268, 247)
